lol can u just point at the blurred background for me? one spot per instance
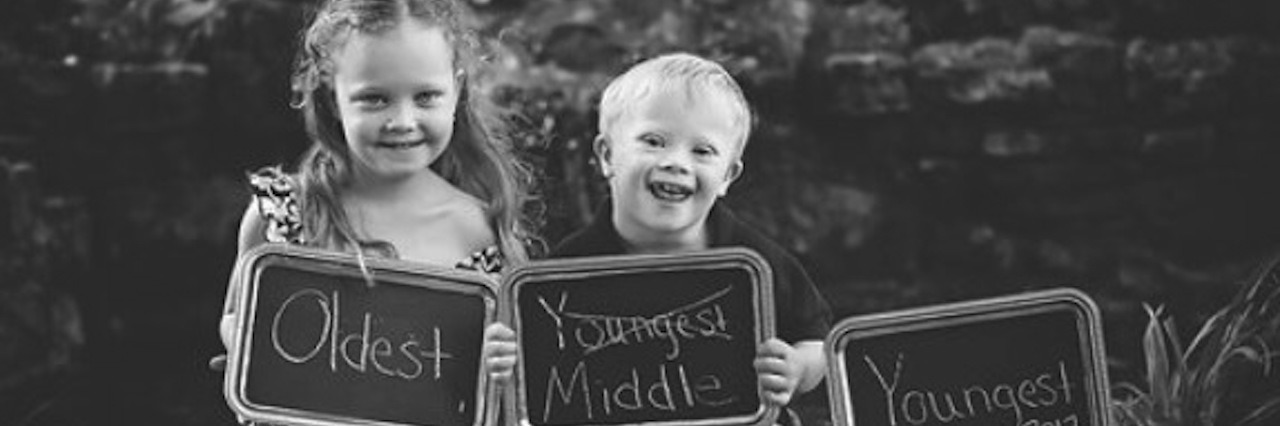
(910, 152)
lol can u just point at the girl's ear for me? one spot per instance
(604, 155)
(731, 175)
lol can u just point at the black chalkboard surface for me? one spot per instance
(1034, 359)
(653, 339)
(318, 345)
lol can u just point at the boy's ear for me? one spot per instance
(603, 155)
(735, 170)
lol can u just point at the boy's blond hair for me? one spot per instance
(694, 74)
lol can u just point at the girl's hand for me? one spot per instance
(778, 370)
(499, 352)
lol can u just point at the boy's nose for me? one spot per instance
(674, 162)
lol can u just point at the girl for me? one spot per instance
(408, 158)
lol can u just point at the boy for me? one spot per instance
(672, 132)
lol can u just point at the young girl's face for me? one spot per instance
(670, 156)
(396, 94)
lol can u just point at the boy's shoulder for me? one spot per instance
(728, 230)
(598, 238)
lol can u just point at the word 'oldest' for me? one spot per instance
(931, 406)
(357, 350)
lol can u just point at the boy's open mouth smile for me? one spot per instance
(668, 191)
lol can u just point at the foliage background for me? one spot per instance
(910, 152)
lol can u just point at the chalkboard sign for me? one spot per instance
(1027, 360)
(651, 339)
(318, 345)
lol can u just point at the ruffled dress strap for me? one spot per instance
(276, 195)
(488, 261)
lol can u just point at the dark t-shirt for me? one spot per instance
(800, 312)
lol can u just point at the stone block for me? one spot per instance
(983, 71)
(1086, 70)
(1179, 77)
(868, 83)
(1195, 141)
(860, 28)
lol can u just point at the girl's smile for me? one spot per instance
(396, 145)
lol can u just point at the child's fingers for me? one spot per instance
(493, 349)
(499, 331)
(777, 376)
(499, 340)
(776, 398)
(775, 383)
(501, 368)
(771, 364)
(218, 362)
(774, 348)
(500, 351)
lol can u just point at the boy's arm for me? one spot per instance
(785, 370)
(810, 356)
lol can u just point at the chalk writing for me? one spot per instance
(593, 332)
(669, 386)
(924, 406)
(356, 350)
(635, 392)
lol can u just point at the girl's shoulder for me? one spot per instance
(469, 217)
(275, 193)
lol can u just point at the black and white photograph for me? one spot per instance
(640, 212)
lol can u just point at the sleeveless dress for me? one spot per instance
(276, 193)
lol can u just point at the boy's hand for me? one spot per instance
(499, 352)
(778, 370)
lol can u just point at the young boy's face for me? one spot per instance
(668, 157)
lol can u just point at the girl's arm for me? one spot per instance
(252, 234)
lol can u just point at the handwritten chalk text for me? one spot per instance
(671, 388)
(703, 319)
(404, 356)
(934, 406)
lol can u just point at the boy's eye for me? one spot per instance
(651, 140)
(428, 98)
(705, 150)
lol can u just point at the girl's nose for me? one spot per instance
(402, 118)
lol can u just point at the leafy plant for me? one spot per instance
(1225, 377)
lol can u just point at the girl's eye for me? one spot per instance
(370, 101)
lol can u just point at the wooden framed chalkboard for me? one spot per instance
(1034, 359)
(317, 344)
(648, 339)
